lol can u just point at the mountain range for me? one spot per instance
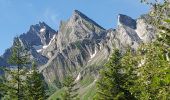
(81, 46)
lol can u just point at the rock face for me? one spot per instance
(81, 46)
(39, 34)
(126, 21)
(78, 27)
(145, 31)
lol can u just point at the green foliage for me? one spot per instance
(87, 80)
(70, 89)
(35, 86)
(113, 77)
(57, 95)
(13, 84)
(89, 92)
(18, 83)
(149, 76)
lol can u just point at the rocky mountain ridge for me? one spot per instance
(80, 47)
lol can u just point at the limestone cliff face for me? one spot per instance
(78, 27)
(81, 47)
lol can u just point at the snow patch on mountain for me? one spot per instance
(39, 48)
(42, 30)
(46, 46)
(92, 56)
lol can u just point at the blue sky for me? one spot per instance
(16, 16)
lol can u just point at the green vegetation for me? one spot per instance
(57, 94)
(35, 85)
(20, 83)
(87, 80)
(13, 83)
(113, 77)
(89, 93)
(70, 92)
(86, 92)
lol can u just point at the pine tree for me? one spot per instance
(13, 84)
(113, 76)
(1, 89)
(35, 86)
(70, 89)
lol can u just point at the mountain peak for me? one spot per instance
(38, 26)
(38, 34)
(77, 12)
(43, 24)
(77, 15)
(127, 21)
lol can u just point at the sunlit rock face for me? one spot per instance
(78, 27)
(82, 43)
(144, 30)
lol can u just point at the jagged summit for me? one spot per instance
(77, 15)
(127, 21)
(78, 12)
(38, 34)
(36, 39)
(77, 28)
(40, 27)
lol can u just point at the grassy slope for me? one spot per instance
(56, 95)
(89, 93)
(86, 92)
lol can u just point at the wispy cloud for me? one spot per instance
(51, 16)
(29, 4)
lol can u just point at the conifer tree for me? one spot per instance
(35, 86)
(110, 85)
(13, 84)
